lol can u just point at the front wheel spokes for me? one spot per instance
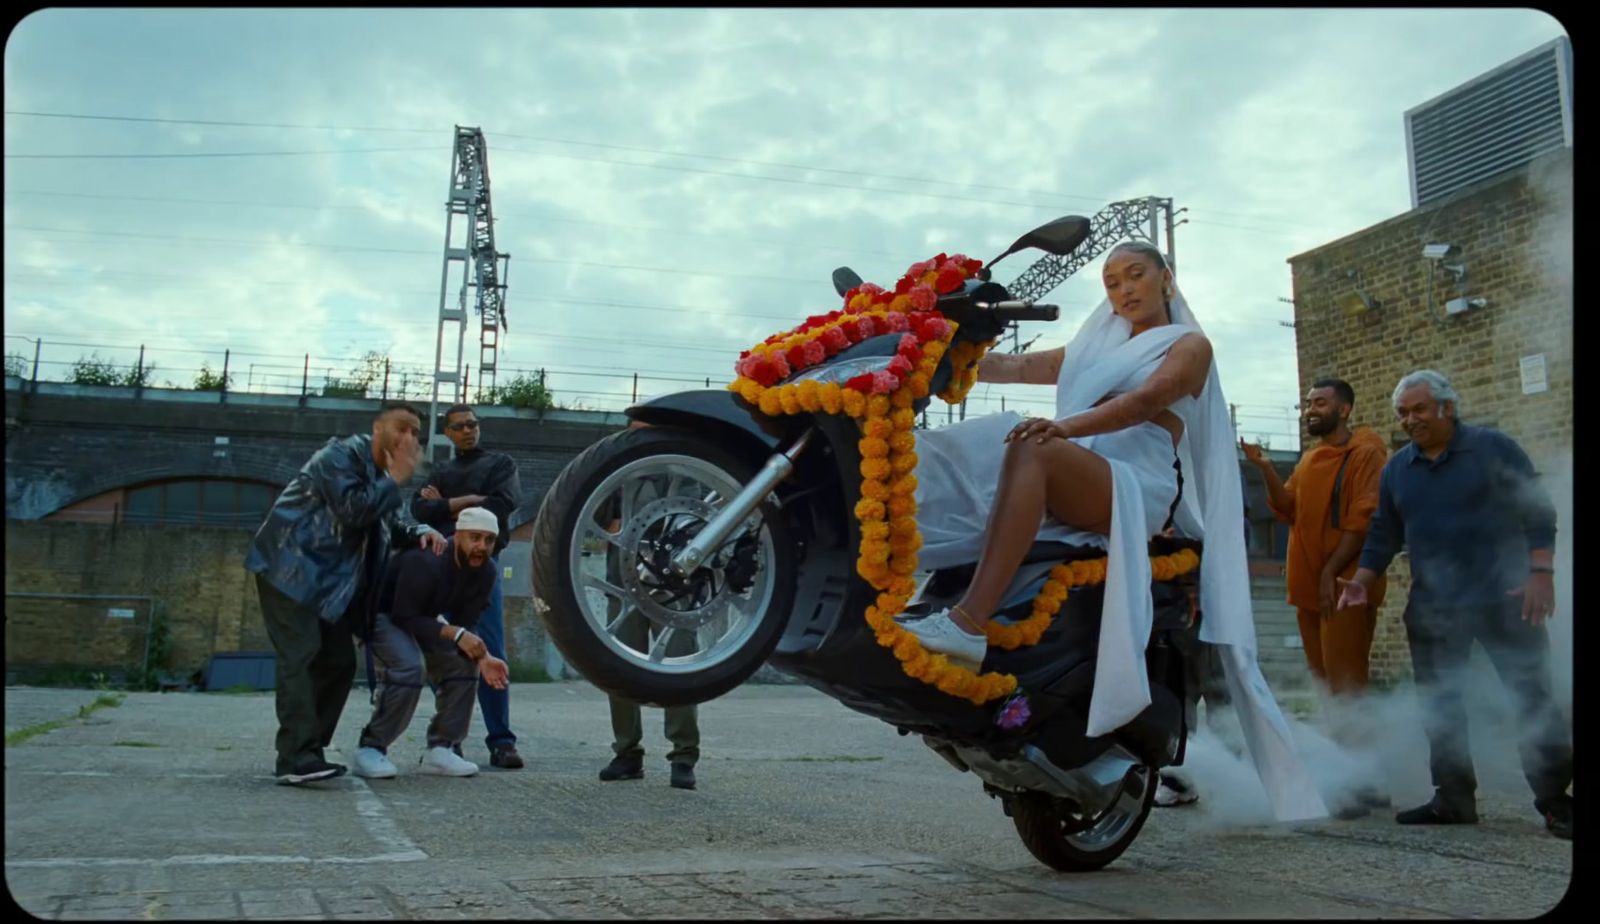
(658, 648)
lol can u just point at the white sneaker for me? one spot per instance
(1175, 791)
(443, 762)
(373, 764)
(939, 633)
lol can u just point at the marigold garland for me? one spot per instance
(882, 403)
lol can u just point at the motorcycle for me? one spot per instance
(672, 559)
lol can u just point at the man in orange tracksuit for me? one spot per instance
(1327, 503)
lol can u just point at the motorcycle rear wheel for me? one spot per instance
(604, 533)
(1073, 845)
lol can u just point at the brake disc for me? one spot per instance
(647, 555)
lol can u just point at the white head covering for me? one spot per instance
(1099, 359)
(478, 518)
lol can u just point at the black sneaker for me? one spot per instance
(506, 758)
(309, 772)
(1558, 816)
(1437, 812)
(623, 768)
(682, 776)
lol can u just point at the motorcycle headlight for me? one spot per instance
(840, 372)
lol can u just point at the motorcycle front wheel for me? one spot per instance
(602, 546)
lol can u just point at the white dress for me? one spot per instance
(958, 473)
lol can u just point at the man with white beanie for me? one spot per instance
(427, 607)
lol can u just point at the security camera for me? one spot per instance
(1438, 251)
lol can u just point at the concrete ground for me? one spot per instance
(163, 808)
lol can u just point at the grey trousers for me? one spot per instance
(400, 663)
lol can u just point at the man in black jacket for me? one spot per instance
(478, 478)
(428, 607)
(316, 557)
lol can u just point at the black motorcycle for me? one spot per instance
(674, 558)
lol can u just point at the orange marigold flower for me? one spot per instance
(904, 486)
(877, 428)
(831, 398)
(869, 509)
(900, 505)
(873, 448)
(876, 468)
(876, 531)
(771, 405)
(854, 402)
(901, 397)
(877, 405)
(875, 489)
(903, 419)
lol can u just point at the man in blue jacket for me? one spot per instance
(1481, 532)
(316, 558)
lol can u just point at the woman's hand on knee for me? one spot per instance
(1038, 429)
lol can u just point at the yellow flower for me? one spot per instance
(790, 399)
(771, 404)
(901, 397)
(832, 400)
(877, 405)
(903, 419)
(877, 428)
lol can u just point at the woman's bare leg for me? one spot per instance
(1071, 482)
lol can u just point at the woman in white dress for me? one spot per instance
(1137, 400)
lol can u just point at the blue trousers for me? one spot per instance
(496, 704)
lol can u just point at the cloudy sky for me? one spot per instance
(674, 185)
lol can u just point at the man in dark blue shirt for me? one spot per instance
(1465, 502)
(428, 607)
(478, 477)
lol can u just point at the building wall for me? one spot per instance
(195, 575)
(1514, 234)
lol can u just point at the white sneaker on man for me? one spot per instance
(443, 762)
(1174, 791)
(373, 764)
(939, 633)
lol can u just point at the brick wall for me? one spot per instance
(1514, 234)
(195, 575)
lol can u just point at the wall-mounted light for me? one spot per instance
(1355, 301)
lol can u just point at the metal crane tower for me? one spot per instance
(482, 268)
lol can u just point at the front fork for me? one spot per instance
(777, 468)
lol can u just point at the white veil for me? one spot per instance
(1212, 510)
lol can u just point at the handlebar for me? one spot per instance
(1021, 311)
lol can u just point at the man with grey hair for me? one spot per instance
(1465, 502)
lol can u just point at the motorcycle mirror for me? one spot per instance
(845, 279)
(1059, 237)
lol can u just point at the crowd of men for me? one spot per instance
(341, 557)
